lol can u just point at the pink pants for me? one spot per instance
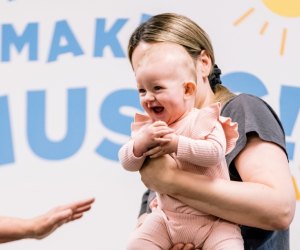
(162, 230)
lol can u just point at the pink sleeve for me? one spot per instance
(205, 152)
(128, 160)
(211, 137)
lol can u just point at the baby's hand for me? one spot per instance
(167, 145)
(150, 137)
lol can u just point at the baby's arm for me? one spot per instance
(203, 152)
(127, 158)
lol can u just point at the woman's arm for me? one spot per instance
(12, 229)
(265, 199)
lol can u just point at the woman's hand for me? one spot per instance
(182, 246)
(158, 173)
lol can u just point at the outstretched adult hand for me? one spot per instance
(45, 224)
(12, 228)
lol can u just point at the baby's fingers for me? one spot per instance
(159, 123)
(164, 131)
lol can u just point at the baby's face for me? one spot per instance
(162, 71)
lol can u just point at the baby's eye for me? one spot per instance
(142, 91)
(157, 88)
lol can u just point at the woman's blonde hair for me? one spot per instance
(174, 28)
(178, 29)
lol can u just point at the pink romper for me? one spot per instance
(205, 138)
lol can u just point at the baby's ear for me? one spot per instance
(190, 88)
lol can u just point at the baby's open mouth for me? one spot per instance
(157, 109)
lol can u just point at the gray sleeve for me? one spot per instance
(253, 115)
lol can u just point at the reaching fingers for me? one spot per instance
(81, 204)
(48, 222)
(67, 216)
(78, 208)
(76, 216)
(76, 205)
(60, 217)
(82, 209)
(73, 210)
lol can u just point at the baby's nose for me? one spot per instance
(149, 97)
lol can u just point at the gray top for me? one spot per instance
(253, 115)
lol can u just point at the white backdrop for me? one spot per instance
(55, 51)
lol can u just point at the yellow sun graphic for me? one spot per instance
(285, 8)
(296, 188)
